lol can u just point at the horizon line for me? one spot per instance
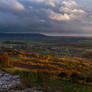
(50, 34)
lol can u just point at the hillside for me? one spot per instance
(45, 71)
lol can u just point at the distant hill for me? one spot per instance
(40, 37)
(21, 36)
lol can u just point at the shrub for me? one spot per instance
(74, 77)
(89, 79)
(5, 60)
(63, 74)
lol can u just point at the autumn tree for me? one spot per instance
(63, 75)
(5, 60)
(36, 55)
(47, 58)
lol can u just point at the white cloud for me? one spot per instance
(71, 7)
(69, 4)
(51, 3)
(57, 16)
(68, 11)
(37, 1)
(72, 10)
(11, 4)
(16, 5)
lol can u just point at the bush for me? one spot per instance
(89, 79)
(5, 60)
(76, 77)
(63, 75)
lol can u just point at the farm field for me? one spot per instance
(67, 67)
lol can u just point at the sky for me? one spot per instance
(51, 17)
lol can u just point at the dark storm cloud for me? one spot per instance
(45, 16)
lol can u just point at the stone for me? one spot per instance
(8, 81)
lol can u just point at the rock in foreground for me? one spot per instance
(26, 90)
(8, 81)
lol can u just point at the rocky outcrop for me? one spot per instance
(8, 81)
(26, 90)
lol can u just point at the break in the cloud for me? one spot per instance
(46, 16)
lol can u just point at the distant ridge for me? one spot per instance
(6, 33)
(39, 37)
(21, 36)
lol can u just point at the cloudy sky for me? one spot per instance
(52, 17)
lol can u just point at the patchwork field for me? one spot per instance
(52, 67)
